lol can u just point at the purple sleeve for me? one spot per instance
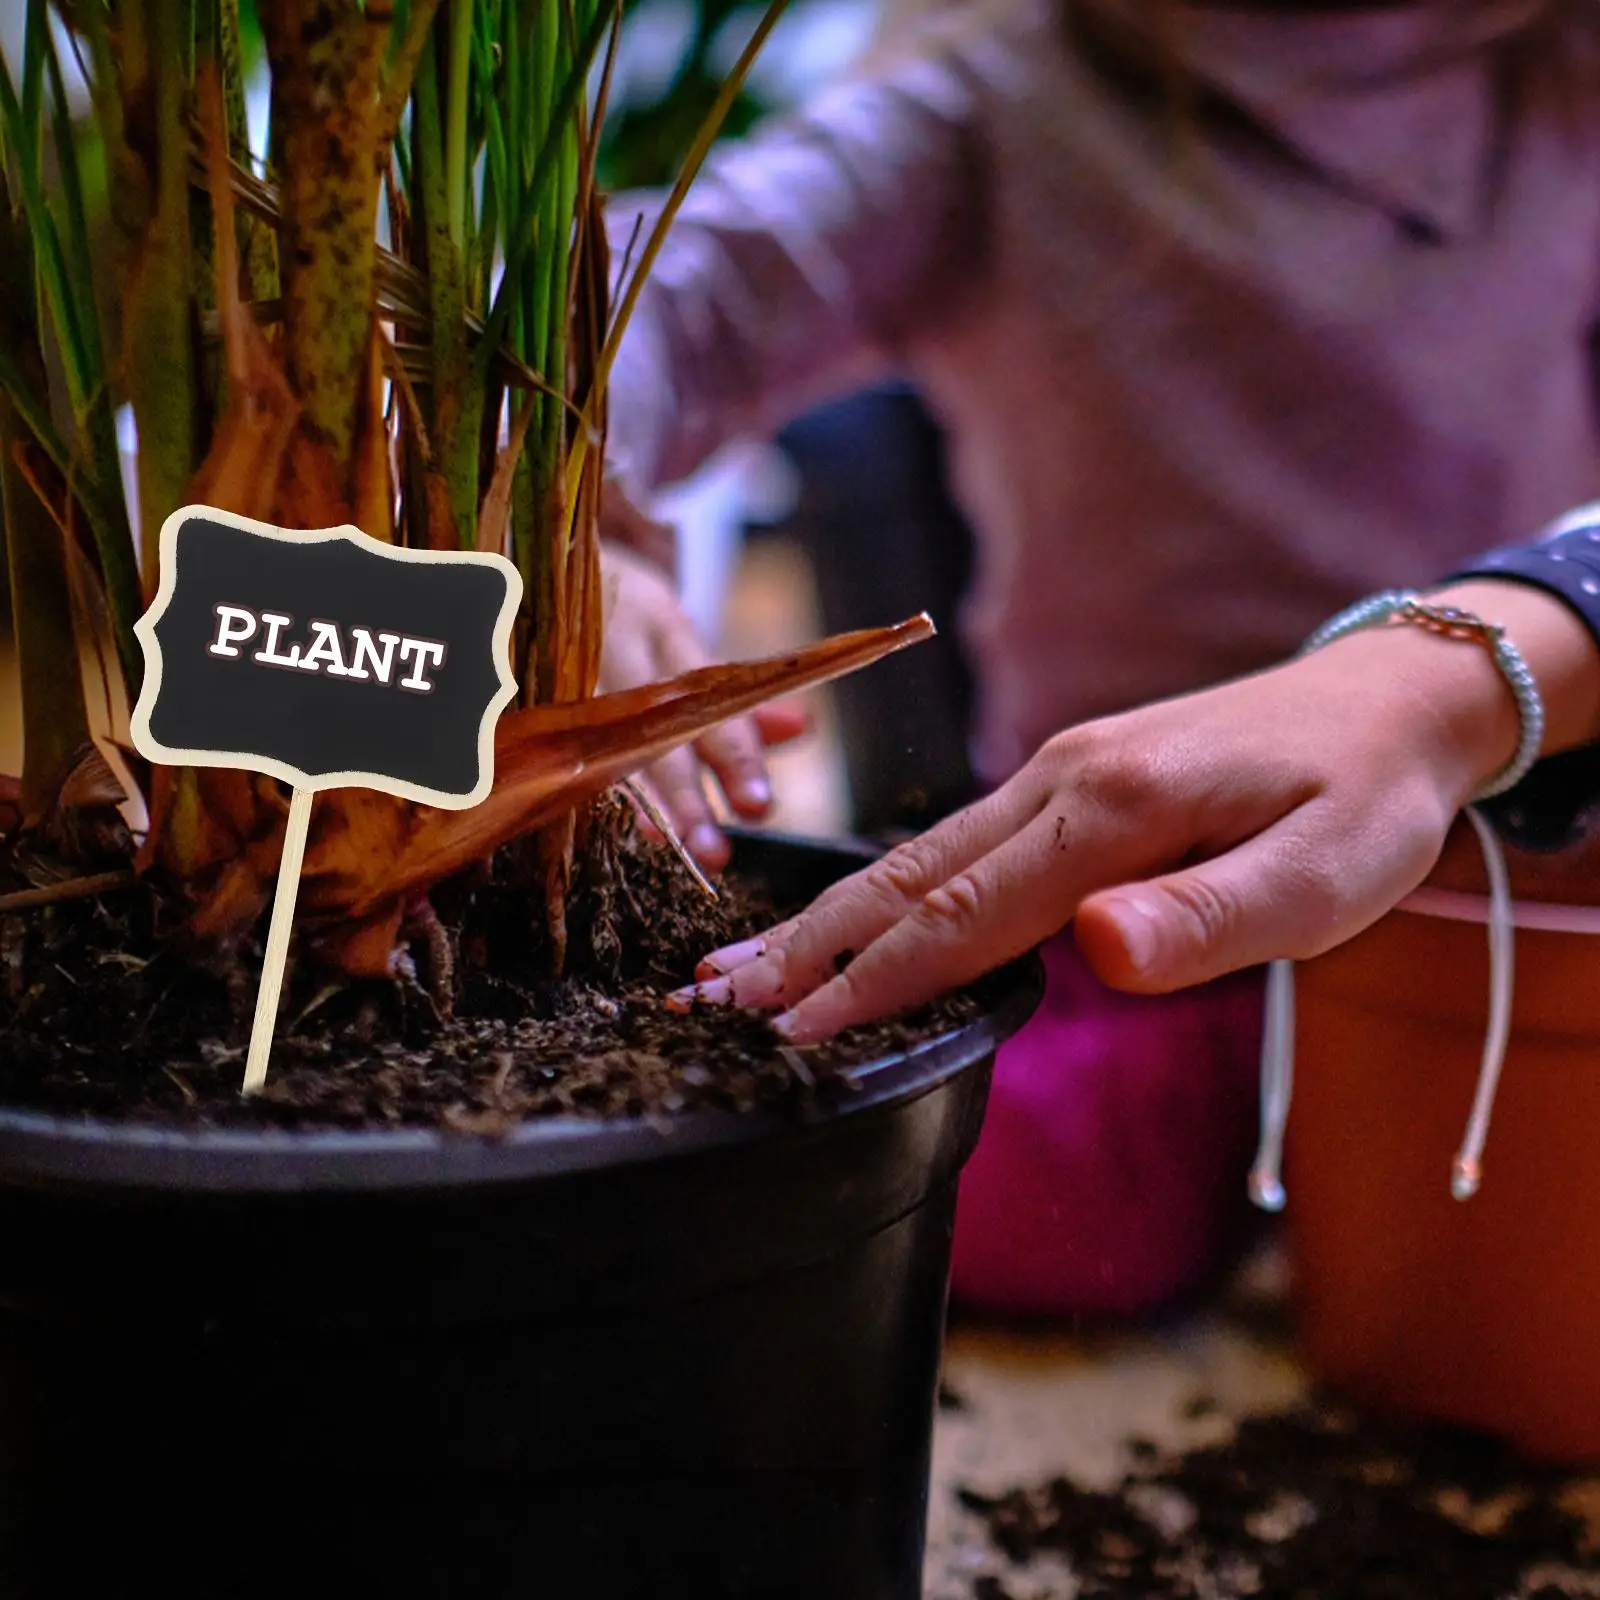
(1558, 803)
(800, 260)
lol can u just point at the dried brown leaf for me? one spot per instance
(494, 519)
(91, 782)
(374, 486)
(551, 758)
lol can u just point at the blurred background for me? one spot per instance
(840, 522)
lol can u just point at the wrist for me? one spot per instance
(1558, 649)
(1464, 720)
(1457, 701)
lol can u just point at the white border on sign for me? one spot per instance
(153, 750)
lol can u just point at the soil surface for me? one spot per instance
(102, 1012)
(1313, 1504)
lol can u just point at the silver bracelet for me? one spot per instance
(1452, 623)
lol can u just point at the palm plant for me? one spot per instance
(402, 318)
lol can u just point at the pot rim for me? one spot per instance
(49, 1149)
(43, 1147)
(1453, 905)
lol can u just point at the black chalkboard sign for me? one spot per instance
(326, 659)
(330, 661)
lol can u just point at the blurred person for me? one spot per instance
(1230, 314)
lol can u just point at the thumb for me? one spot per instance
(1252, 904)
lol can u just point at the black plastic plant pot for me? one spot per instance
(590, 1360)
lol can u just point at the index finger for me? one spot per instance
(983, 916)
(733, 752)
(853, 913)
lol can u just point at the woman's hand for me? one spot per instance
(1277, 815)
(648, 638)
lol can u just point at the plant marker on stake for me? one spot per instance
(328, 660)
(277, 952)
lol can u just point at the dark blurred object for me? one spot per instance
(886, 541)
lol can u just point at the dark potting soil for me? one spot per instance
(1309, 1505)
(102, 1014)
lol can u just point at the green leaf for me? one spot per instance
(35, 38)
(94, 469)
(50, 682)
(80, 258)
(55, 717)
(520, 237)
(33, 413)
(50, 261)
(99, 422)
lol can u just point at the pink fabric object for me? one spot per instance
(1110, 1177)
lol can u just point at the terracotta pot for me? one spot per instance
(1485, 1312)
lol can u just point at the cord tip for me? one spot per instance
(1466, 1177)
(1266, 1190)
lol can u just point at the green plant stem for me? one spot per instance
(455, 443)
(398, 80)
(532, 555)
(327, 58)
(158, 355)
(458, 99)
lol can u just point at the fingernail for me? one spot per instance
(790, 1027)
(704, 842)
(714, 992)
(1139, 926)
(755, 792)
(732, 956)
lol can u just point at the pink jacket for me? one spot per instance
(1206, 378)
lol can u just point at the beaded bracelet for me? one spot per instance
(1450, 622)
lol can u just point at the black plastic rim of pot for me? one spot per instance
(49, 1150)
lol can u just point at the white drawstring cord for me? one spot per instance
(1277, 1042)
(1467, 1173)
(1277, 1045)
(1277, 1084)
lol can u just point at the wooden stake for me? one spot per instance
(294, 852)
